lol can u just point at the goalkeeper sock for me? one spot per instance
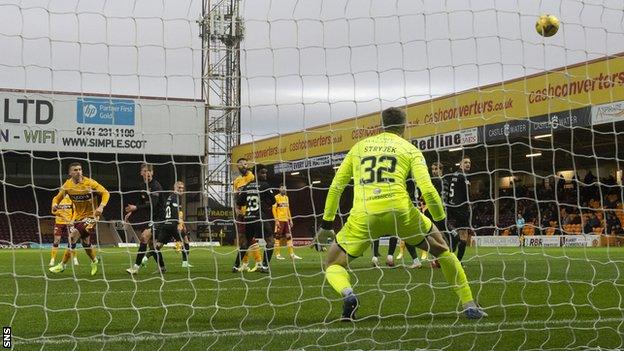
(185, 252)
(291, 249)
(54, 251)
(338, 278)
(140, 254)
(461, 249)
(90, 251)
(277, 247)
(455, 276)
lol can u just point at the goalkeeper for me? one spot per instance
(380, 166)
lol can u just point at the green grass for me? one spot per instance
(537, 299)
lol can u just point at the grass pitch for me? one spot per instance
(537, 298)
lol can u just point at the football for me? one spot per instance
(547, 25)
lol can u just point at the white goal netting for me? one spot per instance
(113, 85)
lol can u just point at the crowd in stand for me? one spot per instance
(549, 206)
(554, 206)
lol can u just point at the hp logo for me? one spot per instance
(89, 111)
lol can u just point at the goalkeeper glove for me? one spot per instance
(325, 235)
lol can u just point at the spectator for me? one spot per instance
(520, 223)
(575, 219)
(547, 217)
(591, 223)
(568, 218)
(618, 230)
(614, 227)
(591, 190)
(589, 178)
(560, 185)
(611, 201)
(574, 182)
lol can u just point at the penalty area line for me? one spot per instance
(145, 336)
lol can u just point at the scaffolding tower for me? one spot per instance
(221, 30)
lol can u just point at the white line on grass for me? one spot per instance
(411, 285)
(291, 330)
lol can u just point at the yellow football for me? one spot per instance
(547, 25)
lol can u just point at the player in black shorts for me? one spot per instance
(457, 206)
(392, 244)
(178, 188)
(150, 201)
(259, 199)
(438, 181)
(168, 230)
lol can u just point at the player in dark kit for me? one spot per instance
(456, 190)
(259, 198)
(392, 244)
(151, 201)
(185, 239)
(168, 229)
(438, 181)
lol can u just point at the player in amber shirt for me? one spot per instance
(245, 177)
(283, 224)
(87, 211)
(63, 216)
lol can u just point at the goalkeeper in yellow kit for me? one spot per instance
(380, 166)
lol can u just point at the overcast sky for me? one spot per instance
(305, 62)
(145, 47)
(309, 62)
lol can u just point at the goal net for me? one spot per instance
(191, 87)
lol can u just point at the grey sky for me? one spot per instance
(311, 62)
(141, 47)
(304, 62)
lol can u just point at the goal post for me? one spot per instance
(192, 87)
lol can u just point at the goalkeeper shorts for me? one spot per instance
(410, 225)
